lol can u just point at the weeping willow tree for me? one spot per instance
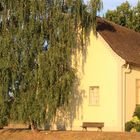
(37, 41)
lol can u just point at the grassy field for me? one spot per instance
(20, 134)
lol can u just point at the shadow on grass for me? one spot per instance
(13, 130)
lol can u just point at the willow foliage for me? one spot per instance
(37, 40)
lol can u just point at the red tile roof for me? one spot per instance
(123, 41)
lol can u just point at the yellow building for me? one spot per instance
(109, 77)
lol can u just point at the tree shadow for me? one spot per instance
(76, 110)
(65, 118)
(13, 130)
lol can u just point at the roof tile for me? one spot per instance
(123, 41)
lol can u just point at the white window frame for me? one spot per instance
(94, 96)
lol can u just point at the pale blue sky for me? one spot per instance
(112, 4)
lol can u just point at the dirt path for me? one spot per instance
(13, 134)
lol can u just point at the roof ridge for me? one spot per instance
(124, 42)
(113, 23)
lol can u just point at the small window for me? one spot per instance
(94, 95)
(137, 91)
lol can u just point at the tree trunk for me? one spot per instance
(1, 127)
(32, 125)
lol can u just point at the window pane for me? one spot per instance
(93, 95)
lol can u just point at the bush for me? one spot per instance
(137, 112)
(138, 128)
(129, 125)
(134, 123)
